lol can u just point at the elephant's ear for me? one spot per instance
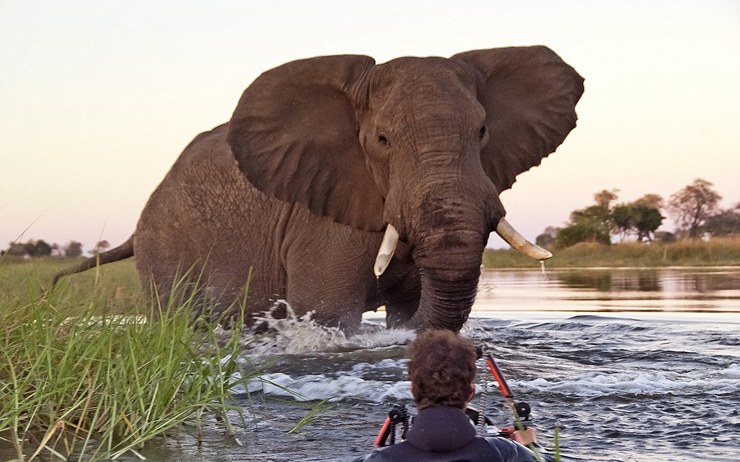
(294, 136)
(529, 96)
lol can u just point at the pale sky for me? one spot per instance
(98, 98)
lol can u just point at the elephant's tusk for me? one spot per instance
(517, 241)
(387, 248)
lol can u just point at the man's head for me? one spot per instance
(442, 369)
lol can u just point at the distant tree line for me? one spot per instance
(695, 210)
(40, 248)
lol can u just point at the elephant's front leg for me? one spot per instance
(329, 272)
(400, 291)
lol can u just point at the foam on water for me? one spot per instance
(320, 387)
(633, 384)
(732, 372)
(301, 334)
(354, 385)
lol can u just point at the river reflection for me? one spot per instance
(602, 289)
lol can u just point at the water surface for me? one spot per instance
(710, 290)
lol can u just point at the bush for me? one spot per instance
(582, 231)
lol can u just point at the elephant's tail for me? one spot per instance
(123, 251)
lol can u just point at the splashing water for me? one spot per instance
(302, 358)
(295, 334)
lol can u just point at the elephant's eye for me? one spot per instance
(383, 140)
(482, 132)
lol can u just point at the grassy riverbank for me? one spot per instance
(113, 288)
(77, 379)
(716, 252)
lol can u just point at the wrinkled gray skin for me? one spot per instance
(321, 154)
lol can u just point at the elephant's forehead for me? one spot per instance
(411, 75)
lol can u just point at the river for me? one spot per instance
(627, 364)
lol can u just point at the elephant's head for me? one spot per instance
(419, 146)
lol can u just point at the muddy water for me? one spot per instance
(630, 365)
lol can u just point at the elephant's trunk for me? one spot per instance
(449, 270)
(449, 267)
(445, 304)
(445, 217)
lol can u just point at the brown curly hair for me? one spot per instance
(441, 368)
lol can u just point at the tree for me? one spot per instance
(647, 220)
(16, 249)
(100, 247)
(665, 236)
(43, 249)
(73, 249)
(604, 198)
(623, 217)
(651, 200)
(592, 224)
(547, 238)
(725, 223)
(30, 248)
(693, 205)
(637, 218)
(598, 222)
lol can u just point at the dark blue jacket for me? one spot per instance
(445, 434)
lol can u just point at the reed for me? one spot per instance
(715, 252)
(79, 380)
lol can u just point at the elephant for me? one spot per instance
(340, 185)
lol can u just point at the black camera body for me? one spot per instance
(399, 414)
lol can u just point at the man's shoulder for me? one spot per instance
(395, 452)
(377, 454)
(509, 450)
(488, 449)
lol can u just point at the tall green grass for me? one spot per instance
(78, 380)
(716, 252)
(112, 288)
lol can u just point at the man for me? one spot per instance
(442, 372)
